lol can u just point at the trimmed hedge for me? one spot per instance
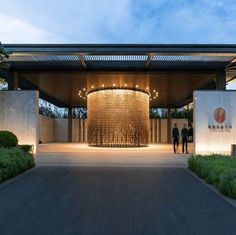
(217, 170)
(8, 139)
(26, 148)
(14, 161)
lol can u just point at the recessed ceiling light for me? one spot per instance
(84, 89)
(154, 90)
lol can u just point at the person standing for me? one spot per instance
(190, 134)
(175, 136)
(184, 135)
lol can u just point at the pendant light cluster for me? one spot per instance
(153, 95)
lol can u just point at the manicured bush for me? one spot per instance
(27, 148)
(8, 139)
(227, 183)
(14, 161)
(217, 170)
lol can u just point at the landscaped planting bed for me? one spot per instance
(14, 158)
(217, 170)
(14, 161)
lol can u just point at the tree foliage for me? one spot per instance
(4, 55)
(50, 110)
(4, 66)
(185, 113)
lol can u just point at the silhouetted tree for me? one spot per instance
(4, 66)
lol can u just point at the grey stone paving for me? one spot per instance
(101, 200)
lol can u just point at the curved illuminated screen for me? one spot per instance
(118, 118)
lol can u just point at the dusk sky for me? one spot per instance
(118, 21)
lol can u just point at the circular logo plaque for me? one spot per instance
(220, 115)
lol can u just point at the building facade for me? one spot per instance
(117, 84)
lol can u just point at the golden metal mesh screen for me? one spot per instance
(118, 118)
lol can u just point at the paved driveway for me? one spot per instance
(102, 200)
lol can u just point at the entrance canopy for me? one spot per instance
(64, 73)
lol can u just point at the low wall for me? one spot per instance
(56, 130)
(19, 114)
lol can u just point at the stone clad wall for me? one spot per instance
(46, 129)
(19, 114)
(157, 131)
(79, 130)
(56, 130)
(214, 121)
(61, 130)
(118, 117)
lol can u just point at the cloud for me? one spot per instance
(123, 21)
(231, 85)
(14, 30)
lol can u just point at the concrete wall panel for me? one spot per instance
(19, 114)
(163, 130)
(214, 132)
(49, 133)
(79, 130)
(61, 130)
(46, 129)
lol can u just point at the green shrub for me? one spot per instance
(8, 139)
(217, 170)
(227, 183)
(27, 148)
(14, 161)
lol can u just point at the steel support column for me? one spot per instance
(12, 80)
(169, 125)
(221, 81)
(159, 130)
(70, 125)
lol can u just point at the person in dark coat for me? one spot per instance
(184, 135)
(175, 136)
(190, 134)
